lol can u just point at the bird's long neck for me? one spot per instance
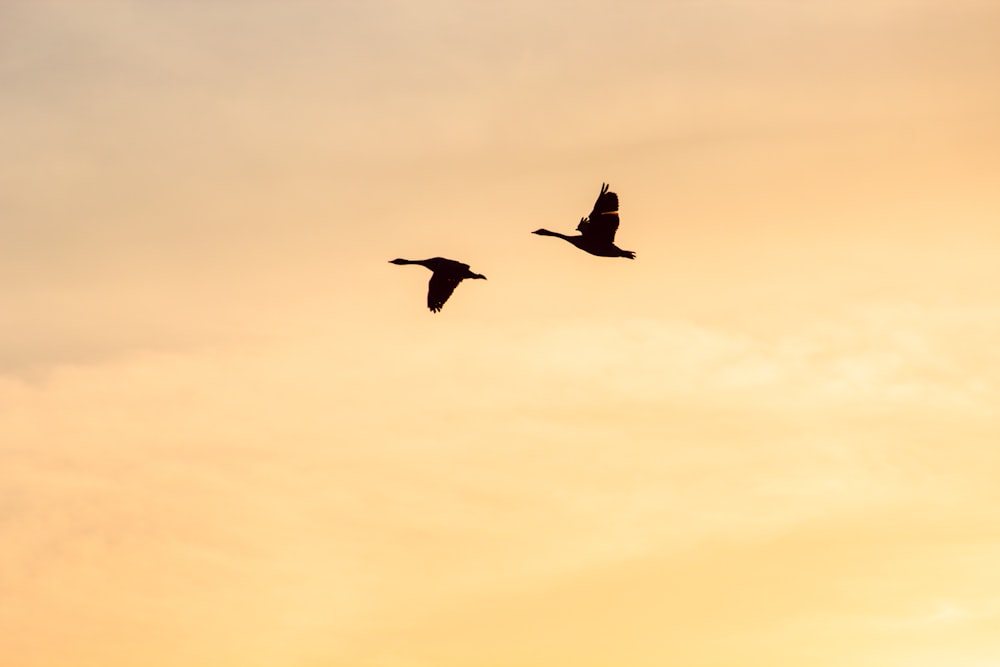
(545, 232)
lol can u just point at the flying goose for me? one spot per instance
(597, 233)
(447, 274)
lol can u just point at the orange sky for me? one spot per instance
(232, 435)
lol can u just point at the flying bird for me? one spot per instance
(597, 232)
(447, 274)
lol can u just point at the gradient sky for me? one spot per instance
(232, 435)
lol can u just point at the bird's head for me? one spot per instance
(398, 261)
(542, 232)
(477, 275)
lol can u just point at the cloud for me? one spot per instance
(887, 355)
(782, 596)
(318, 494)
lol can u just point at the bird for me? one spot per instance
(597, 232)
(447, 274)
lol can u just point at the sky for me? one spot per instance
(231, 434)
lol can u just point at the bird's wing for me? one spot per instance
(439, 289)
(603, 221)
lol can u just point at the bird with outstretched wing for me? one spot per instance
(597, 232)
(446, 274)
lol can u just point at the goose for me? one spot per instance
(597, 233)
(447, 274)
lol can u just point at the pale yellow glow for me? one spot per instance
(231, 433)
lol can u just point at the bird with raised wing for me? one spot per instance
(597, 232)
(446, 275)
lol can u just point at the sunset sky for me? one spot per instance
(232, 435)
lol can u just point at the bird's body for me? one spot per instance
(597, 232)
(447, 274)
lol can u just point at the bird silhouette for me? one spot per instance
(447, 274)
(597, 232)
